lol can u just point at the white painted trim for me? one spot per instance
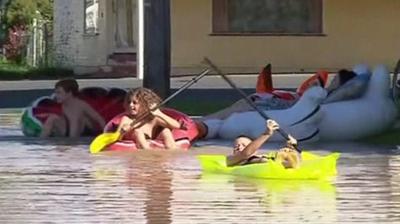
(140, 46)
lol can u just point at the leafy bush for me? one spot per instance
(17, 21)
(22, 12)
(15, 44)
(12, 71)
(49, 73)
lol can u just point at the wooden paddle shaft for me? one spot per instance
(251, 103)
(182, 88)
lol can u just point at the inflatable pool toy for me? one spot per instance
(313, 167)
(107, 102)
(265, 86)
(183, 137)
(352, 89)
(275, 99)
(269, 98)
(371, 114)
(361, 107)
(297, 120)
(129, 145)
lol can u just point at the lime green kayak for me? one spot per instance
(312, 167)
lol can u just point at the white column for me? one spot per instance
(140, 46)
(33, 38)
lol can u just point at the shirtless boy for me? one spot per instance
(77, 119)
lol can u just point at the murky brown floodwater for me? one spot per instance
(60, 182)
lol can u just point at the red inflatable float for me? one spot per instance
(108, 102)
(183, 137)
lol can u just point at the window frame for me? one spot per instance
(85, 29)
(220, 23)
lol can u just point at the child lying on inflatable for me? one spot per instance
(78, 118)
(244, 150)
(268, 98)
(344, 86)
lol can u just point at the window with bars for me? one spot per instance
(91, 16)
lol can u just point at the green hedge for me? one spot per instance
(10, 71)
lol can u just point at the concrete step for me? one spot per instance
(116, 71)
(123, 57)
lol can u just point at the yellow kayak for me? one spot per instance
(312, 167)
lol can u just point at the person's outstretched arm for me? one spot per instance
(254, 145)
(165, 120)
(49, 125)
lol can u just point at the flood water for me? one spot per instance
(60, 182)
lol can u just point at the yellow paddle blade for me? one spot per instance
(101, 141)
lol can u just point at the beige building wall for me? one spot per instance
(356, 31)
(83, 52)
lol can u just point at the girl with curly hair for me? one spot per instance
(149, 124)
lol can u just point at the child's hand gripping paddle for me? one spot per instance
(251, 103)
(105, 139)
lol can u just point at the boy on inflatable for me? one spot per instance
(77, 118)
(245, 150)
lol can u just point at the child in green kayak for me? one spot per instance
(245, 150)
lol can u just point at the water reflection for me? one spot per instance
(147, 177)
(59, 181)
(277, 200)
(156, 183)
(365, 185)
(394, 172)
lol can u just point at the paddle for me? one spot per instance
(101, 141)
(251, 103)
